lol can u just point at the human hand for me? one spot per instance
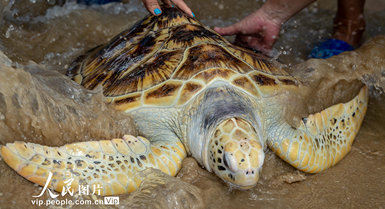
(153, 6)
(258, 31)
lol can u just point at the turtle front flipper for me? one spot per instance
(111, 165)
(323, 138)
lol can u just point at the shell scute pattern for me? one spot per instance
(257, 61)
(245, 83)
(191, 35)
(210, 74)
(167, 60)
(157, 70)
(172, 19)
(126, 102)
(163, 95)
(93, 58)
(189, 89)
(112, 73)
(208, 56)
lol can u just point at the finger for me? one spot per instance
(183, 6)
(255, 43)
(247, 41)
(261, 46)
(168, 2)
(264, 49)
(269, 41)
(269, 38)
(227, 31)
(240, 41)
(152, 6)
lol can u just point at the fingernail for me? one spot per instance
(157, 11)
(193, 14)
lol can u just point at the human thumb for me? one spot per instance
(226, 31)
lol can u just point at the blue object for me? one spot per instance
(193, 14)
(90, 2)
(329, 48)
(157, 11)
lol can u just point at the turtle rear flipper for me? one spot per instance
(323, 138)
(111, 165)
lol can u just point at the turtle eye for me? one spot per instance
(225, 161)
(230, 162)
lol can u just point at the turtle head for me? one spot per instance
(235, 153)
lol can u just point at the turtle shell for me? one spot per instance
(166, 60)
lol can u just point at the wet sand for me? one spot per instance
(54, 37)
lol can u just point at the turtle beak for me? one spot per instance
(248, 178)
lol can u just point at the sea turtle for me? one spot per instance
(190, 92)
